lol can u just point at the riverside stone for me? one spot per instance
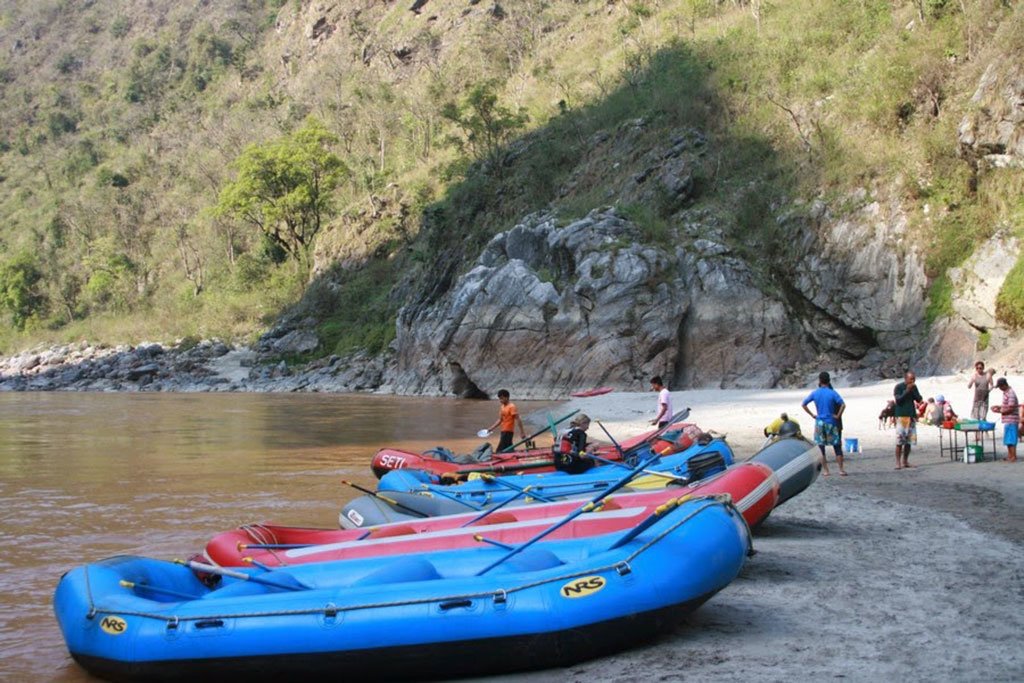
(142, 372)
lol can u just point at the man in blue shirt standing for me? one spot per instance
(829, 406)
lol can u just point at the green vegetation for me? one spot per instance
(285, 188)
(940, 299)
(19, 289)
(358, 314)
(1010, 302)
(167, 169)
(486, 124)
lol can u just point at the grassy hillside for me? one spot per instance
(123, 123)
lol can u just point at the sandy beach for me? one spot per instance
(907, 575)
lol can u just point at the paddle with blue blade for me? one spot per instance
(525, 491)
(428, 490)
(659, 512)
(134, 585)
(386, 499)
(654, 473)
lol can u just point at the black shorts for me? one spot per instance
(505, 441)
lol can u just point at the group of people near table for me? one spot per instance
(909, 406)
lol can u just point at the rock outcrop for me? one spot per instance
(973, 330)
(545, 308)
(867, 286)
(992, 135)
(549, 308)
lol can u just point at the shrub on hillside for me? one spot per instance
(1010, 301)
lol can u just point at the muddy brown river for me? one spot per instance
(87, 476)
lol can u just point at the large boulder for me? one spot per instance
(977, 283)
(733, 335)
(546, 309)
(863, 277)
(549, 309)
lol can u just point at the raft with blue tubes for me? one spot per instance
(442, 614)
(403, 495)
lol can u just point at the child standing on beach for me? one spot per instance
(664, 402)
(508, 418)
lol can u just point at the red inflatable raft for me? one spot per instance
(674, 439)
(753, 487)
(592, 392)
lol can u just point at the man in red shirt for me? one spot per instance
(508, 418)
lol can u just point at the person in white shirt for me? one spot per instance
(664, 402)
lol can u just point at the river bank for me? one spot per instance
(188, 367)
(274, 364)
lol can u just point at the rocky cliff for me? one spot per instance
(550, 308)
(991, 140)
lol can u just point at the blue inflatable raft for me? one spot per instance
(435, 615)
(408, 494)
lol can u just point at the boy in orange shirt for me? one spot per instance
(508, 418)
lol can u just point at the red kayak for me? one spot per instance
(752, 486)
(592, 392)
(674, 439)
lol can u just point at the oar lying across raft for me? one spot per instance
(752, 486)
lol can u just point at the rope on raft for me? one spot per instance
(264, 536)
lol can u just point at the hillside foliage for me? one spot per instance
(165, 166)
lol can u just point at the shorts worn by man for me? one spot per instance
(906, 431)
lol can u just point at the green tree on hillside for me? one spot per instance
(20, 289)
(284, 188)
(487, 125)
